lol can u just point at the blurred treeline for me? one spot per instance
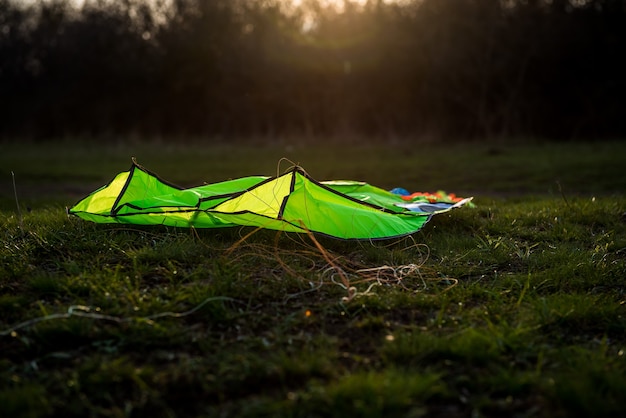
(440, 68)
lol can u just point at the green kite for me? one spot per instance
(291, 202)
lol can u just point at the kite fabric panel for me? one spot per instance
(291, 202)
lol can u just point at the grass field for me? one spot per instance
(516, 307)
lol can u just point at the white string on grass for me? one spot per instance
(377, 276)
(83, 311)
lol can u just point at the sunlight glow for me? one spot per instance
(329, 2)
(336, 4)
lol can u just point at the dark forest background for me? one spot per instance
(436, 68)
